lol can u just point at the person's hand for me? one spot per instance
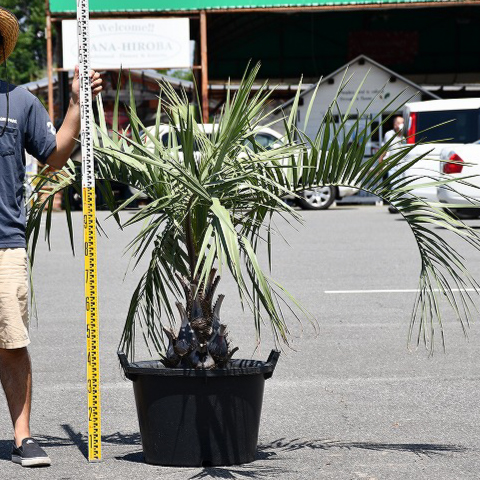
(95, 80)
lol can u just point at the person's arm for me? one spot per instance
(70, 129)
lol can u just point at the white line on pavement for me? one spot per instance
(393, 291)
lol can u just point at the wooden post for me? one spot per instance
(51, 111)
(204, 63)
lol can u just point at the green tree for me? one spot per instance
(28, 60)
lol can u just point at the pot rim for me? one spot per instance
(234, 368)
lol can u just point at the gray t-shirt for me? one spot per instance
(28, 128)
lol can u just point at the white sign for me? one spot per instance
(130, 43)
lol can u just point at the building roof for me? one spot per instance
(39, 84)
(372, 62)
(152, 75)
(69, 6)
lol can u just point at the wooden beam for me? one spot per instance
(51, 110)
(109, 69)
(204, 63)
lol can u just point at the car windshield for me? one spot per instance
(463, 126)
(265, 140)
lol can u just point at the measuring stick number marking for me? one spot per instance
(89, 227)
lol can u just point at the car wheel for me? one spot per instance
(319, 198)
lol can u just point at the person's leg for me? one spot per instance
(16, 378)
(15, 366)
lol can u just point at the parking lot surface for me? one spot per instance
(351, 402)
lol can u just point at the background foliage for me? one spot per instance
(28, 60)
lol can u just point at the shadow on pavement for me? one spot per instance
(252, 470)
(78, 439)
(44, 441)
(135, 457)
(117, 438)
(5, 449)
(428, 449)
(240, 471)
(266, 451)
(271, 450)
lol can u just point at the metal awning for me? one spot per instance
(99, 6)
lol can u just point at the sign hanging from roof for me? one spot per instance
(69, 6)
(132, 43)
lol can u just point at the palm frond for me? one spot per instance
(215, 198)
(342, 163)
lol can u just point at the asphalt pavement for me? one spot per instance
(350, 402)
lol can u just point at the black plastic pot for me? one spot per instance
(199, 417)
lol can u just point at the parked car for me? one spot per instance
(322, 198)
(449, 124)
(120, 191)
(319, 198)
(462, 161)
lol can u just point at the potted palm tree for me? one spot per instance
(213, 199)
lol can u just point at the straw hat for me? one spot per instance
(9, 29)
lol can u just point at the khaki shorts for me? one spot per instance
(13, 298)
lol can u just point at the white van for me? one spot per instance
(447, 123)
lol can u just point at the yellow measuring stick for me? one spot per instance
(91, 306)
(90, 237)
